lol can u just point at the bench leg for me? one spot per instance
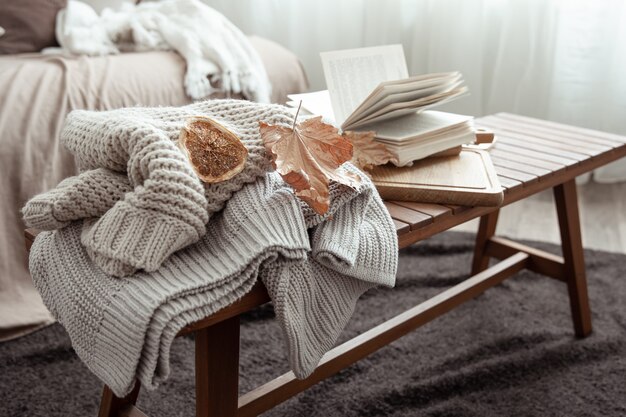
(217, 369)
(574, 262)
(486, 230)
(112, 406)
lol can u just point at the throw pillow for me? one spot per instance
(28, 25)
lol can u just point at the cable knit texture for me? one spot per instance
(90, 194)
(314, 267)
(149, 201)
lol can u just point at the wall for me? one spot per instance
(557, 60)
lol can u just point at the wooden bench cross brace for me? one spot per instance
(217, 337)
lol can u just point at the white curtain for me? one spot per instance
(558, 60)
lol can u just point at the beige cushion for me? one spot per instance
(28, 24)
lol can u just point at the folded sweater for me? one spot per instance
(314, 268)
(137, 188)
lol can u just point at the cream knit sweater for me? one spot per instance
(141, 196)
(314, 267)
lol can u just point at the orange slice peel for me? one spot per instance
(216, 154)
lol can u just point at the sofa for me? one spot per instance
(37, 92)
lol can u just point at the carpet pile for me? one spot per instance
(510, 352)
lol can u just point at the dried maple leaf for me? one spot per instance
(307, 156)
(367, 152)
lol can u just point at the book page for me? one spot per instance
(403, 97)
(316, 103)
(399, 109)
(418, 85)
(352, 74)
(419, 125)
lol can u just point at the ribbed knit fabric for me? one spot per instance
(149, 201)
(123, 328)
(353, 248)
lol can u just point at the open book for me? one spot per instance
(369, 89)
(370, 85)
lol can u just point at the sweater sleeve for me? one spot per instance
(165, 212)
(89, 194)
(167, 207)
(360, 239)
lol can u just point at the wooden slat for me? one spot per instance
(414, 219)
(568, 147)
(524, 131)
(542, 156)
(563, 136)
(287, 385)
(529, 169)
(510, 156)
(563, 148)
(401, 227)
(558, 129)
(548, 134)
(436, 211)
(508, 183)
(554, 126)
(463, 215)
(516, 175)
(457, 209)
(547, 149)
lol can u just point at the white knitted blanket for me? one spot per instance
(314, 267)
(218, 55)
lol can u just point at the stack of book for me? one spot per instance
(369, 90)
(418, 136)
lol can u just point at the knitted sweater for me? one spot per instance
(123, 328)
(141, 195)
(138, 209)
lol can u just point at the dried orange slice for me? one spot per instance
(216, 154)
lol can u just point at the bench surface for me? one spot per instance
(530, 156)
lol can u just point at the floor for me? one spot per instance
(602, 211)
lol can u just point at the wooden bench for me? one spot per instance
(531, 156)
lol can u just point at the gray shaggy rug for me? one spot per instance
(510, 352)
